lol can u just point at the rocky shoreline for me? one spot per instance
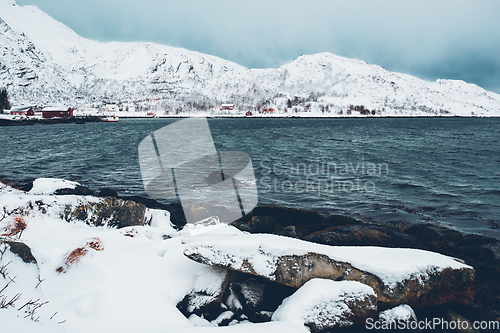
(244, 294)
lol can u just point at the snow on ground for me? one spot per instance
(132, 285)
(262, 251)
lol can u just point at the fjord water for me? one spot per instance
(438, 170)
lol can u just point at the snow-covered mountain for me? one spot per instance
(45, 62)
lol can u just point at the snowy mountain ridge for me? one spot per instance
(44, 62)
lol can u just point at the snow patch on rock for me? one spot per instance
(401, 312)
(324, 303)
(50, 185)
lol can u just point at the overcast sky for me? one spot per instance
(453, 39)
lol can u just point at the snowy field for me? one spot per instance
(103, 279)
(129, 284)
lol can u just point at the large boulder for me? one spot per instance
(360, 235)
(107, 211)
(305, 221)
(324, 304)
(20, 249)
(263, 224)
(398, 276)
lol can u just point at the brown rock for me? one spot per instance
(199, 212)
(108, 211)
(289, 231)
(22, 250)
(263, 224)
(423, 287)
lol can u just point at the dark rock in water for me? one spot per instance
(471, 248)
(300, 218)
(263, 224)
(23, 185)
(22, 250)
(364, 235)
(245, 227)
(27, 187)
(338, 220)
(107, 192)
(150, 203)
(177, 216)
(78, 190)
(478, 251)
(198, 213)
(215, 177)
(289, 231)
(222, 212)
(305, 221)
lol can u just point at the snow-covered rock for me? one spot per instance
(400, 312)
(399, 276)
(50, 185)
(45, 62)
(207, 292)
(322, 304)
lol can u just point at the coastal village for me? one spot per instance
(112, 112)
(155, 108)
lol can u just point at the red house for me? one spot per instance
(22, 111)
(59, 112)
(248, 114)
(227, 107)
(268, 110)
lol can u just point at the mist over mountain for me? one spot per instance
(44, 62)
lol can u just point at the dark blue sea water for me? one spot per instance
(439, 170)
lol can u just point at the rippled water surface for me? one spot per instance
(440, 170)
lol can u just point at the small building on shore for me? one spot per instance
(22, 111)
(227, 107)
(57, 112)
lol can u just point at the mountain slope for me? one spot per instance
(45, 62)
